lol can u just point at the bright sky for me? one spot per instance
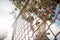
(6, 19)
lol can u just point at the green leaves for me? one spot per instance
(18, 1)
(50, 17)
(45, 4)
(21, 1)
(29, 19)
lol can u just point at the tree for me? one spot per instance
(41, 8)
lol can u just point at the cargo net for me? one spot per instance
(40, 30)
(40, 21)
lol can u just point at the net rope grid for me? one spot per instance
(38, 26)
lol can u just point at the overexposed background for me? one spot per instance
(6, 19)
